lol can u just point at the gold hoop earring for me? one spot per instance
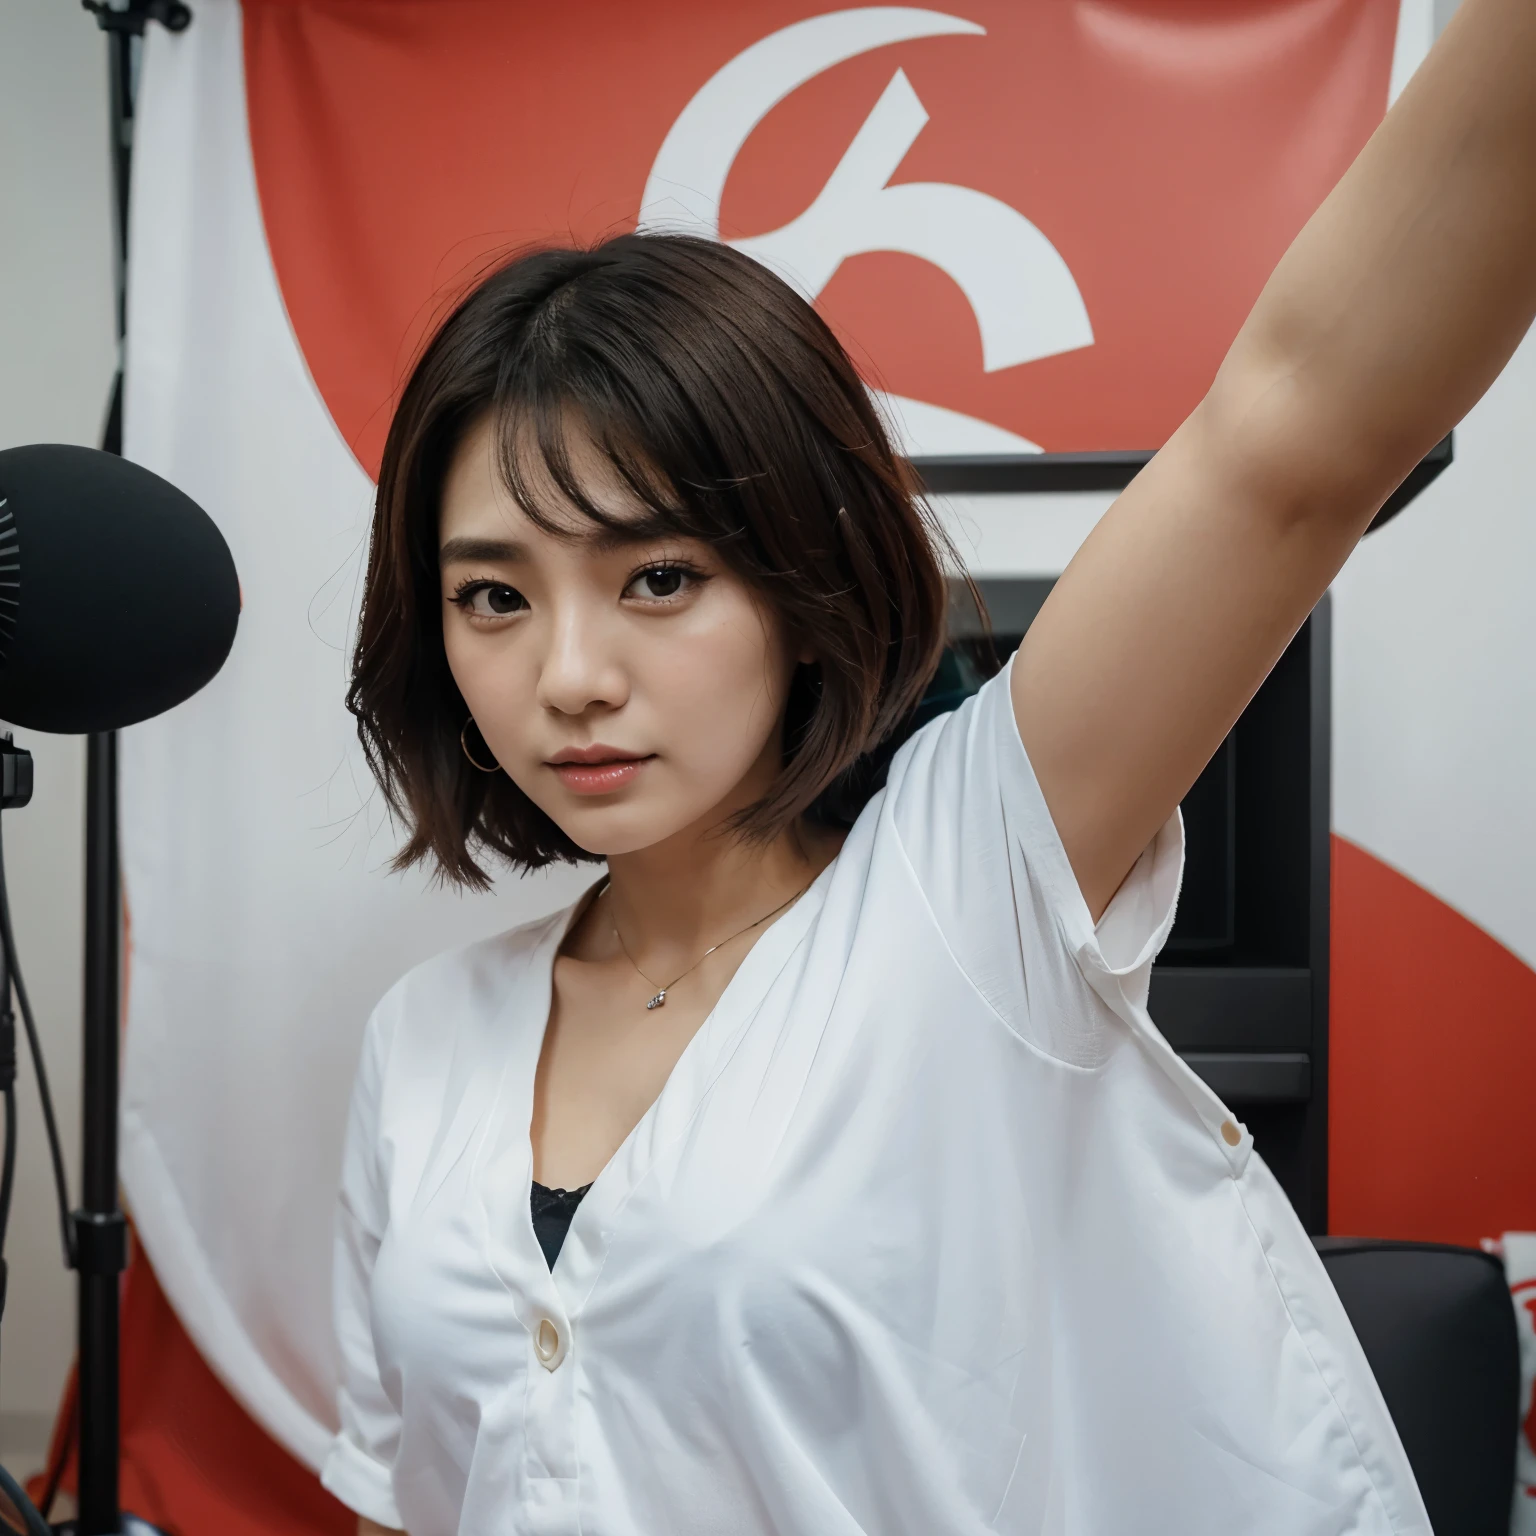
(463, 732)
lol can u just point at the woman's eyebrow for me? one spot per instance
(468, 549)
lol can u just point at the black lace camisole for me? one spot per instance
(552, 1211)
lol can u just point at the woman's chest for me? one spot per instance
(771, 1276)
(833, 1180)
(607, 1053)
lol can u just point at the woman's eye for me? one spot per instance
(489, 599)
(660, 582)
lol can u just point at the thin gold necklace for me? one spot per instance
(660, 999)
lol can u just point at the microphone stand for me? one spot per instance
(100, 1229)
(101, 1237)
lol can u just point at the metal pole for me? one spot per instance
(101, 1245)
(100, 1230)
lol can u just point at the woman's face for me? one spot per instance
(631, 688)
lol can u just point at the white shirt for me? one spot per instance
(929, 1231)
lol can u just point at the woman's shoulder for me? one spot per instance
(933, 772)
(469, 980)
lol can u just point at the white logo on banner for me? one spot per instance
(1024, 297)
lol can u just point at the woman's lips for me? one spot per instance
(599, 778)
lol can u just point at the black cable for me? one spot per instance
(7, 1177)
(61, 1454)
(50, 1124)
(7, 1166)
(8, 1098)
(32, 1522)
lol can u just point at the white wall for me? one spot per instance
(57, 351)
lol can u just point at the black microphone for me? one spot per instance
(118, 595)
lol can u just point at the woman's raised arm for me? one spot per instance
(1391, 313)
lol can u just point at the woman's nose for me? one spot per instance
(581, 667)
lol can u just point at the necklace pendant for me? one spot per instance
(659, 1001)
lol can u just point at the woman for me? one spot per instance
(820, 1169)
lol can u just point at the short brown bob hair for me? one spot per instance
(729, 409)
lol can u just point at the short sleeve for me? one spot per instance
(963, 801)
(358, 1467)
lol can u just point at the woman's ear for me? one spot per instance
(799, 646)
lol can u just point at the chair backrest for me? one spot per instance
(1437, 1326)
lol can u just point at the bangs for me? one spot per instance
(536, 462)
(576, 381)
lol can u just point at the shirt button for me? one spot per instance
(1230, 1133)
(546, 1343)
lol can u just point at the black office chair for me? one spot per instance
(1439, 1331)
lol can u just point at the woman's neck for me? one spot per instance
(676, 899)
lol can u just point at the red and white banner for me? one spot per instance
(1035, 226)
(1039, 224)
